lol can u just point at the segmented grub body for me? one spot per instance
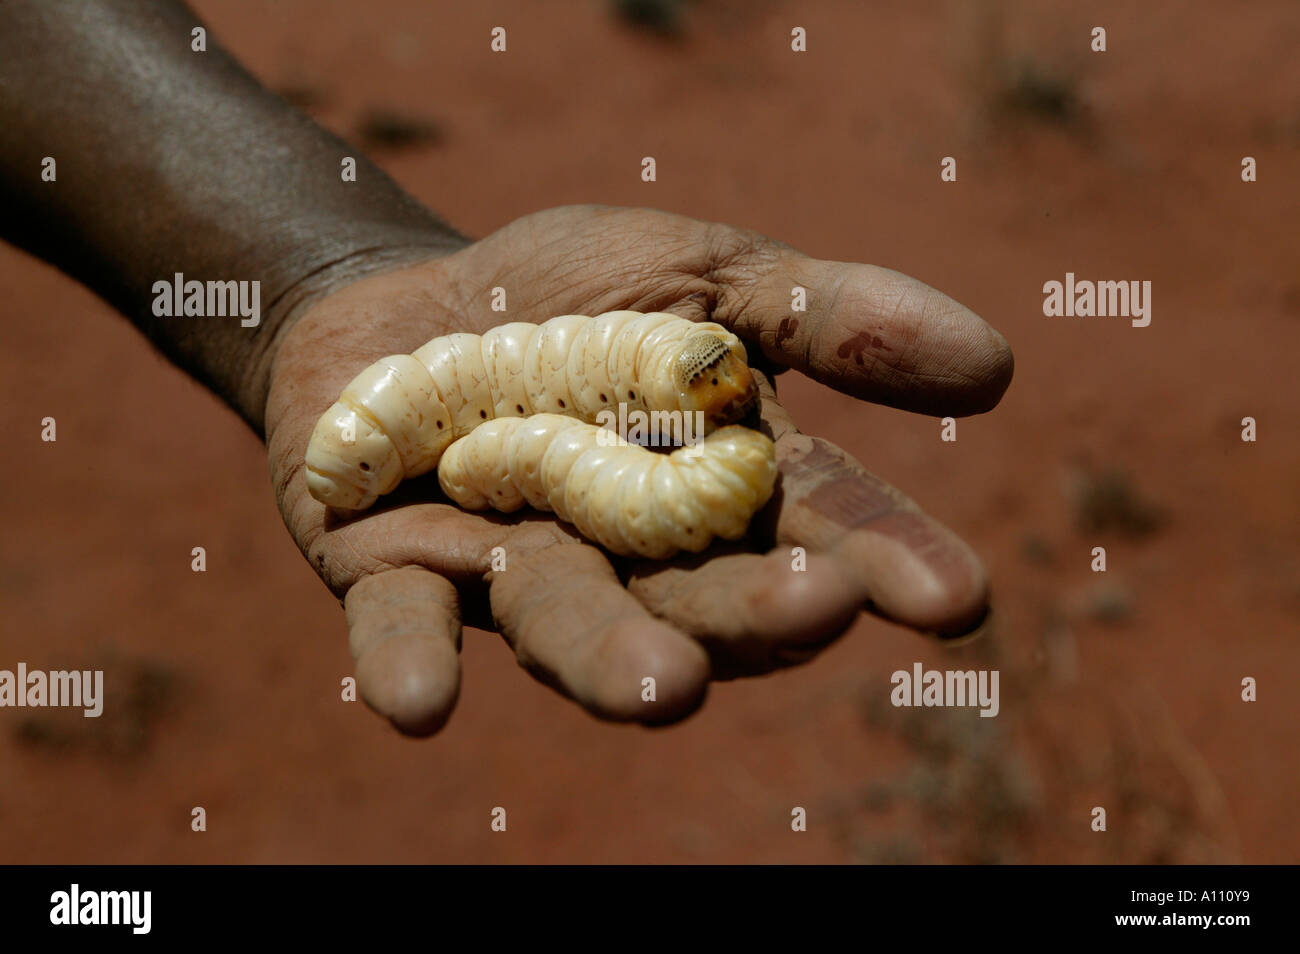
(628, 499)
(398, 416)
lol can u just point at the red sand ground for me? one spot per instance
(1120, 691)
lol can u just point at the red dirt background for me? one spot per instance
(1119, 690)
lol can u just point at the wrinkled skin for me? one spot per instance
(591, 628)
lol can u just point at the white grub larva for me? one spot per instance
(397, 417)
(628, 499)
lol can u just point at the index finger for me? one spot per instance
(911, 568)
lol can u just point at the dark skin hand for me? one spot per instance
(355, 271)
(561, 603)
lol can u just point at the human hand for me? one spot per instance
(590, 625)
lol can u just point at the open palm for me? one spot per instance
(595, 627)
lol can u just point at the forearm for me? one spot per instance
(174, 161)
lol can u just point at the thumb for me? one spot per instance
(868, 331)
